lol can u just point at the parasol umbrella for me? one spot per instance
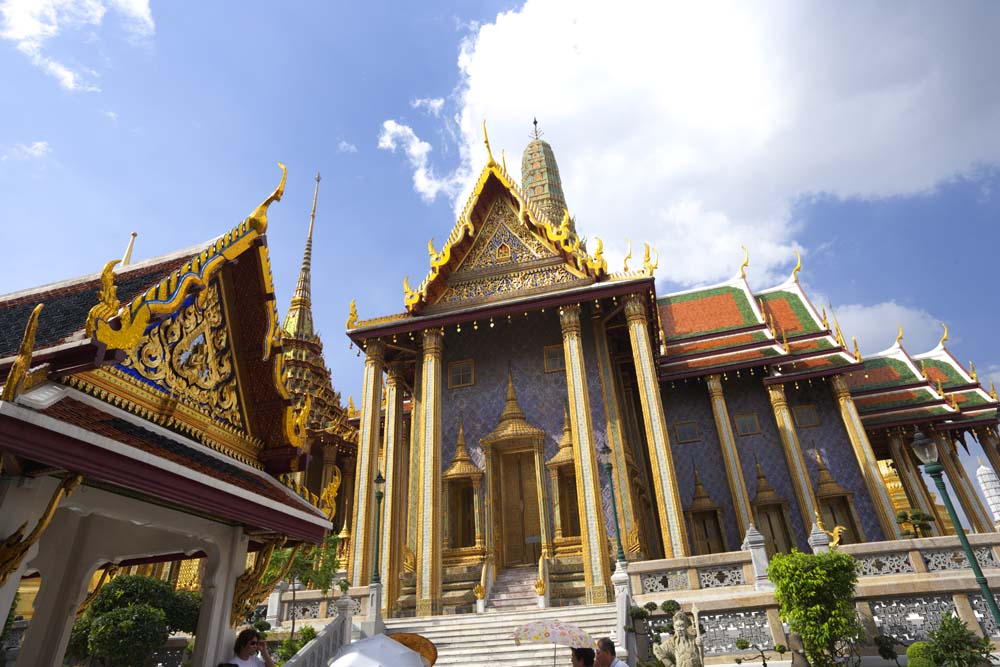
(377, 651)
(553, 632)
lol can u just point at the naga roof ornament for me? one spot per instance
(746, 262)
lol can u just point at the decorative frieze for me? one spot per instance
(982, 612)
(720, 577)
(954, 559)
(663, 581)
(910, 619)
(720, 631)
(303, 610)
(881, 564)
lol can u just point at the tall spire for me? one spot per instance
(298, 321)
(540, 177)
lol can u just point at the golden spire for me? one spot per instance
(489, 151)
(798, 266)
(127, 257)
(944, 336)
(511, 409)
(628, 255)
(461, 452)
(899, 338)
(299, 320)
(746, 262)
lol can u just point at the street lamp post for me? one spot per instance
(379, 494)
(927, 452)
(604, 453)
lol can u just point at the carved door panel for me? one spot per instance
(519, 509)
(771, 522)
(837, 512)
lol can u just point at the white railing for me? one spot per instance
(337, 633)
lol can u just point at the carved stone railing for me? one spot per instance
(315, 605)
(337, 633)
(692, 573)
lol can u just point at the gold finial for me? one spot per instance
(784, 341)
(746, 262)
(899, 338)
(972, 372)
(312, 215)
(18, 372)
(979, 460)
(648, 265)
(127, 257)
(940, 387)
(838, 334)
(489, 151)
(628, 255)
(826, 323)
(407, 290)
(944, 336)
(503, 160)
(798, 266)
(258, 219)
(923, 369)
(352, 315)
(535, 134)
(857, 352)
(430, 249)
(107, 299)
(993, 391)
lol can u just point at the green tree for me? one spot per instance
(311, 565)
(918, 654)
(919, 523)
(816, 597)
(126, 636)
(9, 623)
(953, 644)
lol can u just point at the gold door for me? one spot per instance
(519, 509)
(771, 523)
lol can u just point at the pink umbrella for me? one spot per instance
(555, 632)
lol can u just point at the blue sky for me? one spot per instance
(866, 137)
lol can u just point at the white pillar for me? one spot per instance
(224, 563)
(990, 485)
(623, 602)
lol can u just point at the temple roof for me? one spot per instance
(540, 179)
(512, 424)
(299, 319)
(461, 464)
(564, 456)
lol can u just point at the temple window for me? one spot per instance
(461, 514)
(687, 432)
(555, 360)
(568, 508)
(772, 524)
(461, 374)
(707, 533)
(745, 423)
(836, 511)
(503, 252)
(806, 416)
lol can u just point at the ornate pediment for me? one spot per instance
(188, 357)
(506, 260)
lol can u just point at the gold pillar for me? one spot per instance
(866, 458)
(412, 518)
(913, 483)
(625, 494)
(556, 500)
(364, 500)
(668, 501)
(542, 489)
(394, 489)
(793, 455)
(730, 455)
(975, 513)
(492, 496)
(329, 466)
(596, 564)
(477, 507)
(429, 500)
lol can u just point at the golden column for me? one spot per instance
(793, 455)
(866, 458)
(329, 466)
(913, 483)
(596, 564)
(429, 499)
(625, 495)
(412, 525)
(730, 455)
(395, 461)
(672, 530)
(556, 504)
(477, 507)
(364, 478)
(975, 513)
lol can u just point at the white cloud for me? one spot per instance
(396, 135)
(32, 23)
(433, 105)
(33, 151)
(696, 125)
(876, 326)
(110, 115)
(346, 147)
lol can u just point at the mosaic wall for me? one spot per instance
(542, 396)
(746, 394)
(690, 402)
(830, 439)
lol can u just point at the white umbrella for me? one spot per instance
(377, 651)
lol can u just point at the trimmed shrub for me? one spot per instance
(918, 654)
(127, 636)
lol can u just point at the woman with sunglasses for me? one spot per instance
(245, 650)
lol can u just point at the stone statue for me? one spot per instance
(683, 649)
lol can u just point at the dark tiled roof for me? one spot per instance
(102, 423)
(67, 305)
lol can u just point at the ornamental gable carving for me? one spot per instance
(506, 260)
(188, 356)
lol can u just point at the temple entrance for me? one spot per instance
(522, 536)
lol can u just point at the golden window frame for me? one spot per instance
(545, 358)
(472, 373)
(756, 424)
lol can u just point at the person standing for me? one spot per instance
(606, 654)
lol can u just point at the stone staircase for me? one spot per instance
(514, 589)
(484, 640)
